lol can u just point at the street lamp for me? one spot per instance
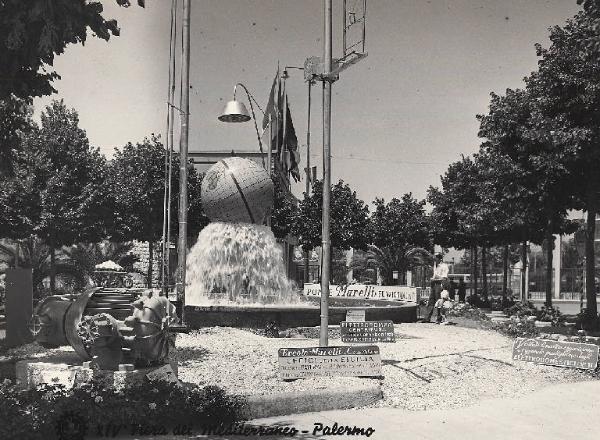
(236, 111)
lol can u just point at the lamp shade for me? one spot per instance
(235, 111)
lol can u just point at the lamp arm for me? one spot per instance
(250, 99)
(250, 96)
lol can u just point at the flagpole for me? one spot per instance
(183, 161)
(306, 256)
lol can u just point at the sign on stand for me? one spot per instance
(297, 363)
(361, 291)
(369, 331)
(355, 315)
(558, 353)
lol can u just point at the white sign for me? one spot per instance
(362, 291)
(355, 316)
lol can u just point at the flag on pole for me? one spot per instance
(291, 145)
(271, 109)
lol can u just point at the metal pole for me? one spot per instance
(170, 140)
(307, 194)
(183, 161)
(323, 337)
(270, 147)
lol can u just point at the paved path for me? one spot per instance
(566, 411)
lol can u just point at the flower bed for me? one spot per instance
(45, 412)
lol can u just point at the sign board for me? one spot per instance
(558, 353)
(370, 331)
(355, 315)
(296, 363)
(362, 291)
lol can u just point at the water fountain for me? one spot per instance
(235, 271)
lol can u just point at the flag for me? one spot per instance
(291, 145)
(273, 105)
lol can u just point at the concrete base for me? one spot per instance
(287, 317)
(29, 374)
(281, 404)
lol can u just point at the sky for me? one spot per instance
(399, 116)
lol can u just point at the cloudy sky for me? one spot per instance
(400, 116)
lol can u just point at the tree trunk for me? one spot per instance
(306, 267)
(475, 271)
(504, 273)
(591, 307)
(549, 255)
(17, 252)
(150, 263)
(484, 271)
(523, 271)
(52, 270)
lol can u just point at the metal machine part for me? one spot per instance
(109, 326)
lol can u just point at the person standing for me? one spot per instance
(438, 281)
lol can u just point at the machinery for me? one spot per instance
(109, 326)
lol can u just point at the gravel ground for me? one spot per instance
(428, 367)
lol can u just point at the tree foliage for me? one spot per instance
(285, 209)
(349, 219)
(33, 32)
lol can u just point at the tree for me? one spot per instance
(33, 32)
(15, 121)
(35, 255)
(136, 182)
(525, 139)
(285, 209)
(566, 83)
(349, 219)
(58, 191)
(401, 236)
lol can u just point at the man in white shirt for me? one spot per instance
(440, 269)
(440, 277)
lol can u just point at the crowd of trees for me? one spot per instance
(538, 160)
(62, 193)
(395, 237)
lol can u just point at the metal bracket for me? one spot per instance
(314, 67)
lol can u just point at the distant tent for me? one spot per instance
(109, 265)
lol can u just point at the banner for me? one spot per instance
(363, 291)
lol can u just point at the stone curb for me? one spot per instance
(282, 404)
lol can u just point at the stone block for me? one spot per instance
(30, 374)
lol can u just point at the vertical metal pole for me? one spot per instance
(344, 28)
(307, 194)
(270, 147)
(183, 161)
(323, 337)
(170, 140)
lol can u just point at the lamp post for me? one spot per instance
(325, 232)
(236, 111)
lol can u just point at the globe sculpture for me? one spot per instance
(237, 190)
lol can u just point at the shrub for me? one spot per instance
(550, 314)
(501, 303)
(522, 309)
(40, 413)
(479, 301)
(518, 327)
(467, 311)
(584, 321)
